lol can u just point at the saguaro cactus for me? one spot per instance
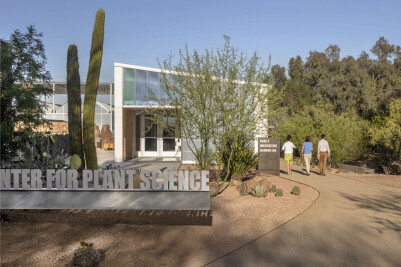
(74, 102)
(92, 82)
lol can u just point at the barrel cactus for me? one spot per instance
(296, 190)
(92, 82)
(74, 102)
(279, 192)
(75, 162)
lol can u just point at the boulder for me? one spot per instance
(263, 180)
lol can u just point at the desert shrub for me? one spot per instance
(86, 256)
(346, 132)
(43, 151)
(385, 136)
(296, 190)
(259, 191)
(75, 162)
(279, 193)
(274, 188)
(239, 157)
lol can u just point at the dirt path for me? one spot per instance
(353, 223)
(149, 238)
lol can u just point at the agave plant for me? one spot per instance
(259, 190)
(239, 159)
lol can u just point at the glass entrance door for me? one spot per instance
(169, 131)
(161, 138)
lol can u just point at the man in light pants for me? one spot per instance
(323, 152)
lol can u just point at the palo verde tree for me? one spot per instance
(23, 78)
(92, 82)
(218, 95)
(74, 102)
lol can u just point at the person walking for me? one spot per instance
(288, 148)
(323, 152)
(306, 153)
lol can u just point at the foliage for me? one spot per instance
(44, 151)
(111, 167)
(344, 132)
(74, 104)
(75, 162)
(296, 190)
(238, 158)
(385, 134)
(86, 256)
(22, 78)
(92, 82)
(259, 190)
(279, 192)
(216, 94)
(274, 188)
(329, 86)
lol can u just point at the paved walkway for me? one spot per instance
(106, 158)
(352, 223)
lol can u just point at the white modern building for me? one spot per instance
(134, 133)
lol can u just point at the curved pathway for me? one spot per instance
(353, 223)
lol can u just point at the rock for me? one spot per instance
(263, 180)
(243, 190)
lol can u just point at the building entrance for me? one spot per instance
(160, 137)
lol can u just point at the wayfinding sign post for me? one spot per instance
(269, 153)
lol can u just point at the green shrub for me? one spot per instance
(86, 257)
(259, 191)
(279, 193)
(296, 190)
(75, 162)
(346, 132)
(238, 157)
(274, 188)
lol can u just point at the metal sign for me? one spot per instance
(269, 154)
(109, 189)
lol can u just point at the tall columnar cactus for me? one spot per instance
(74, 102)
(92, 82)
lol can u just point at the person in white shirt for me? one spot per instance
(288, 148)
(323, 152)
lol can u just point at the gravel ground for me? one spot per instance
(144, 238)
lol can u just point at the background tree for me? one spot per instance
(22, 62)
(296, 86)
(215, 94)
(385, 136)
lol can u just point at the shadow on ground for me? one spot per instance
(109, 217)
(386, 207)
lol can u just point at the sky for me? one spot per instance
(141, 32)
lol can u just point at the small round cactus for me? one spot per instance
(75, 162)
(279, 192)
(274, 188)
(296, 190)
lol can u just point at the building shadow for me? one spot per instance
(110, 217)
